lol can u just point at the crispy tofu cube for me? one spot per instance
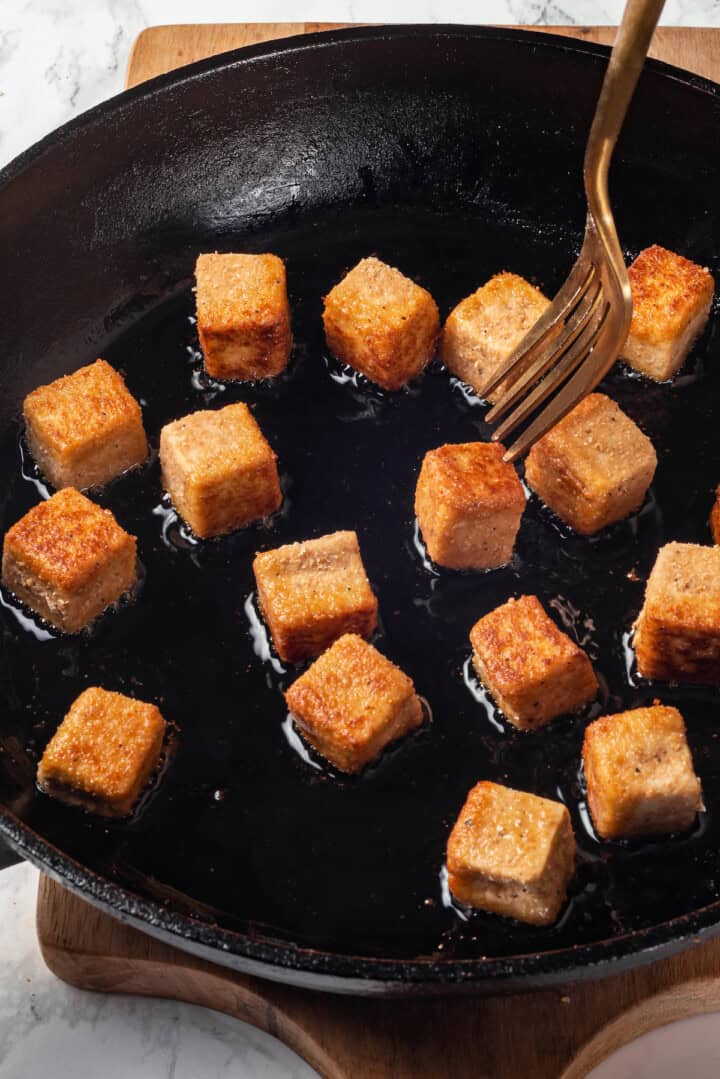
(103, 753)
(671, 303)
(352, 702)
(311, 593)
(243, 315)
(533, 670)
(86, 428)
(594, 467)
(485, 328)
(715, 518)
(68, 560)
(677, 634)
(219, 470)
(469, 503)
(381, 323)
(639, 774)
(511, 853)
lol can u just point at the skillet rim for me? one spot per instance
(321, 39)
(276, 959)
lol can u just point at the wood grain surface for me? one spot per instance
(555, 1034)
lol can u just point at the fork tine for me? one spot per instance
(567, 299)
(582, 382)
(555, 348)
(568, 363)
(596, 347)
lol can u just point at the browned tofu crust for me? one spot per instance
(639, 774)
(485, 328)
(311, 593)
(594, 467)
(103, 753)
(85, 428)
(219, 470)
(68, 560)
(715, 518)
(381, 323)
(671, 303)
(667, 291)
(472, 477)
(533, 670)
(469, 503)
(677, 634)
(352, 702)
(511, 853)
(243, 315)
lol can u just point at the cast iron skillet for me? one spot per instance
(452, 152)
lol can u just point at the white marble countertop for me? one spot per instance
(50, 1029)
(58, 58)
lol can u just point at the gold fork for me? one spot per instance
(580, 335)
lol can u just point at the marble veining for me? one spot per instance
(56, 60)
(48, 1028)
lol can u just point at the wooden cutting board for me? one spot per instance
(555, 1034)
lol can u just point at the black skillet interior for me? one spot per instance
(452, 153)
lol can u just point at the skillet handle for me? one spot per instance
(8, 856)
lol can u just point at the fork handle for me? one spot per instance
(626, 62)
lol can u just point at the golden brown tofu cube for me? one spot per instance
(677, 634)
(352, 702)
(311, 593)
(68, 560)
(639, 774)
(86, 428)
(485, 328)
(103, 753)
(594, 467)
(671, 303)
(715, 518)
(219, 470)
(243, 315)
(533, 670)
(469, 503)
(381, 323)
(511, 853)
